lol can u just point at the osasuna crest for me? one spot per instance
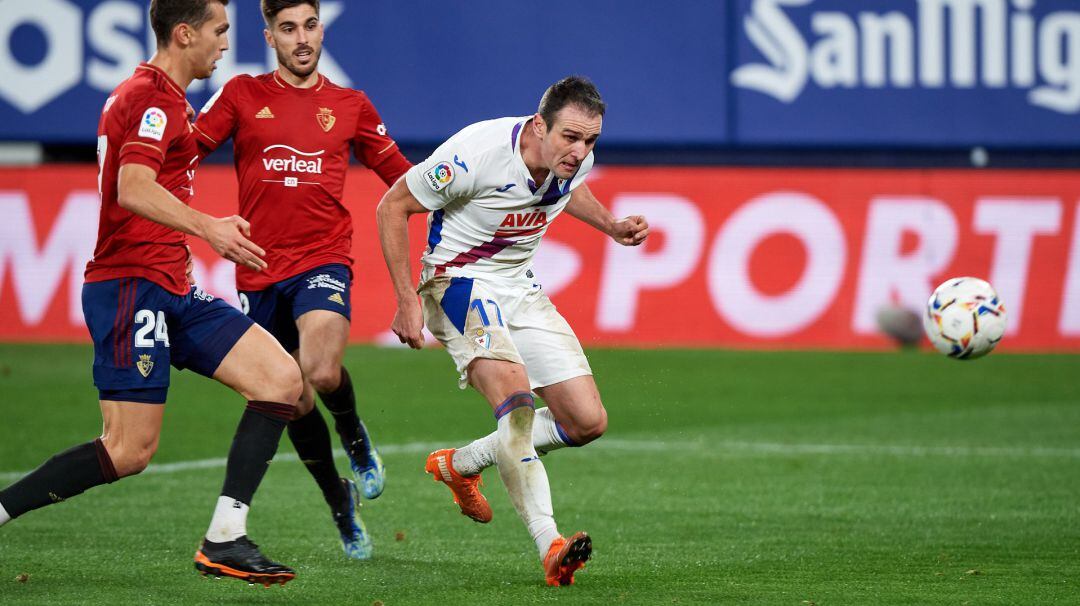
(145, 365)
(326, 118)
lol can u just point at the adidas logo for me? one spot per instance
(265, 113)
(336, 298)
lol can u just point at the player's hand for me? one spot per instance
(189, 269)
(229, 238)
(408, 323)
(630, 231)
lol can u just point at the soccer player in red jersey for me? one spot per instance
(292, 131)
(143, 314)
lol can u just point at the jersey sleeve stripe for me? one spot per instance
(387, 148)
(206, 136)
(157, 149)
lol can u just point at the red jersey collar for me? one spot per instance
(173, 86)
(283, 84)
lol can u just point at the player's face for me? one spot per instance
(297, 34)
(209, 42)
(571, 138)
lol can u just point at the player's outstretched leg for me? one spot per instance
(580, 419)
(62, 477)
(364, 458)
(129, 439)
(260, 370)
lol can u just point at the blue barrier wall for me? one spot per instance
(721, 73)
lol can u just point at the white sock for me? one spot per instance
(229, 522)
(524, 476)
(477, 456)
(480, 454)
(547, 435)
(4, 517)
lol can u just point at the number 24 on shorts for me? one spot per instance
(151, 324)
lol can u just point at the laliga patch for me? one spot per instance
(440, 175)
(152, 125)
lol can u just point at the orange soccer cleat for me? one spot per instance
(565, 557)
(466, 489)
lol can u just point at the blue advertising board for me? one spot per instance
(787, 73)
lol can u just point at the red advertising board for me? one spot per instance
(737, 257)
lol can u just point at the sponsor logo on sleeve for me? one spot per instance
(381, 129)
(152, 125)
(439, 176)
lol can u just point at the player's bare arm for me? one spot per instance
(628, 231)
(393, 219)
(140, 193)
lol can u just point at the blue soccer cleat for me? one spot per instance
(367, 465)
(355, 539)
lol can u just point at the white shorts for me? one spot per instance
(501, 319)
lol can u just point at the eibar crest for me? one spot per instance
(326, 118)
(145, 365)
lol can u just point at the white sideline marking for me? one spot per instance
(732, 447)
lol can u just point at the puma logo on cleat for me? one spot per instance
(336, 298)
(528, 459)
(444, 470)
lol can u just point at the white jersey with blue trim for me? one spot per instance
(488, 215)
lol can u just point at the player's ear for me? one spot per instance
(539, 126)
(269, 38)
(183, 35)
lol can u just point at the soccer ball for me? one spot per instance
(964, 318)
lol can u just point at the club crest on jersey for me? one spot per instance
(152, 125)
(326, 118)
(482, 338)
(145, 365)
(439, 176)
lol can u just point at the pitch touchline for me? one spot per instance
(698, 447)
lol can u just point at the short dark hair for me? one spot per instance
(572, 90)
(270, 8)
(165, 15)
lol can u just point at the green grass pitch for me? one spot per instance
(725, 478)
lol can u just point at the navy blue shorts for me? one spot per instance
(139, 329)
(276, 308)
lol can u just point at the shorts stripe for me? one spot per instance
(126, 343)
(122, 322)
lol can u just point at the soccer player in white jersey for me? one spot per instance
(491, 191)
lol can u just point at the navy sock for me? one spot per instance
(65, 475)
(311, 438)
(254, 445)
(342, 404)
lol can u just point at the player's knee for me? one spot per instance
(304, 405)
(284, 384)
(325, 378)
(589, 428)
(131, 459)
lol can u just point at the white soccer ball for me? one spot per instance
(964, 318)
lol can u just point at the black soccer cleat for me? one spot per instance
(240, 559)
